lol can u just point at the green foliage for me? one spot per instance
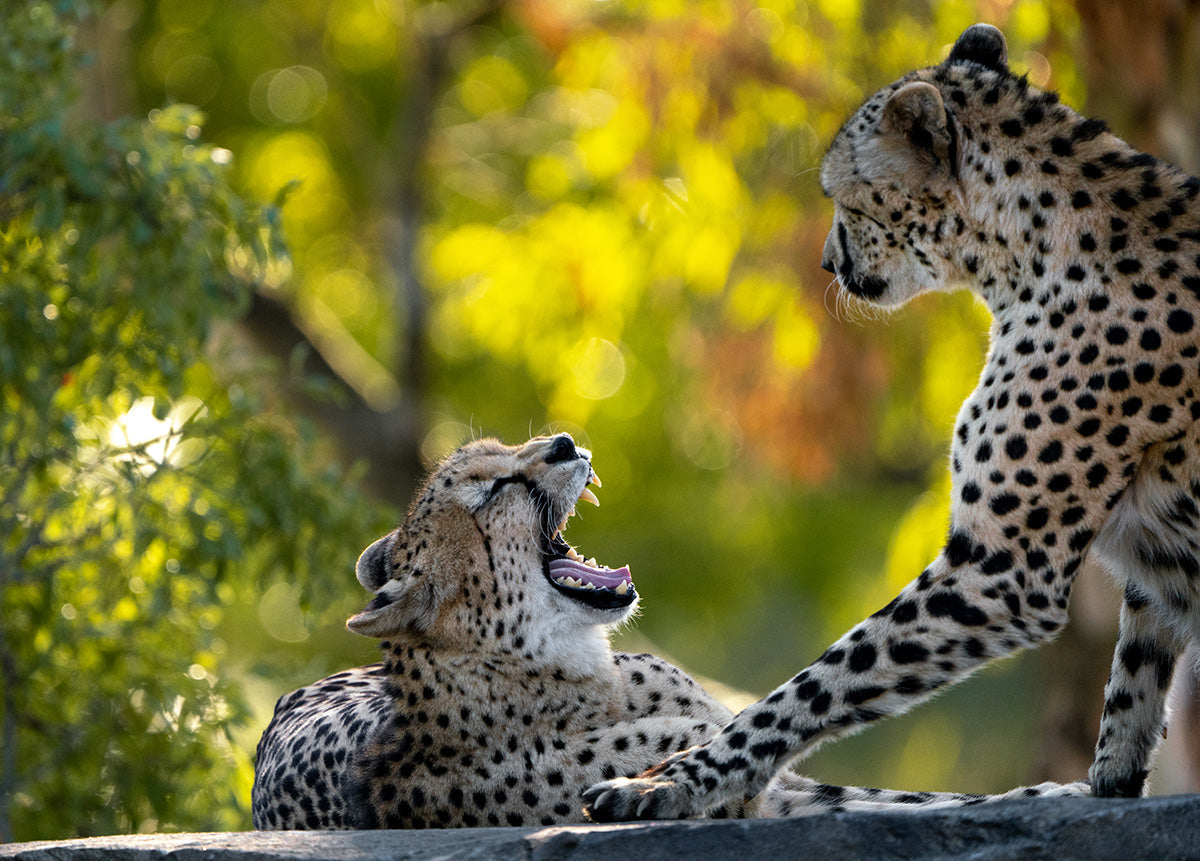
(135, 480)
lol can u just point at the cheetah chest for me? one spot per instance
(1151, 540)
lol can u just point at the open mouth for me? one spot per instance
(585, 580)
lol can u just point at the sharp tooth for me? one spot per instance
(587, 495)
(591, 586)
(571, 513)
(572, 553)
(622, 588)
(573, 583)
(594, 479)
(591, 562)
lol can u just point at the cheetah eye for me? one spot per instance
(500, 483)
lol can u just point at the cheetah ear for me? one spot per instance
(372, 566)
(982, 44)
(405, 600)
(914, 119)
(399, 606)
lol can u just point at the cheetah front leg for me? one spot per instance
(1133, 720)
(958, 615)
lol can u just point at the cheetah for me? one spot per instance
(499, 699)
(1079, 440)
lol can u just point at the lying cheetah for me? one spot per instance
(1081, 437)
(499, 699)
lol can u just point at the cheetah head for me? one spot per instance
(893, 173)
(480, 561)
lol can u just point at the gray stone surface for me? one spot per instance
(1152, 828)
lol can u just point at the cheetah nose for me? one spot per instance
(827, 255)
(561, 448)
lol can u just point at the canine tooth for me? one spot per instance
(594, 479)
(622, 588)
(587, 495)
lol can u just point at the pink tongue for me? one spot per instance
(601, 578)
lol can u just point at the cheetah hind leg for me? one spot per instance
(791, 795)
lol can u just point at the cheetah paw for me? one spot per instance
(638, 798)
(1078, 789)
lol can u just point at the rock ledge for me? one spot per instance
(1148, 828)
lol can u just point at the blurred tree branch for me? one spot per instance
(389, 440)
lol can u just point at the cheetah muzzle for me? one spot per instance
(1081, 439)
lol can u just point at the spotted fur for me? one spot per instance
(1080, 439)
(498, 700)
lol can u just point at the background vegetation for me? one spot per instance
(500, 218)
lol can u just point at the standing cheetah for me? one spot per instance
(1080, 439)
(499, 699)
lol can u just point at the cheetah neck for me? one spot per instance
(1055, 208)
(415, 665)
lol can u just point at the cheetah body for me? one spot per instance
(498, 700)
(1080, 438)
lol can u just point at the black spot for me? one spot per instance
(1059, 483)
(1123, 199)
(1037, 518)
(1086, 130)
(1081, 200)
(862, 658)
(907, 652)
(1013, 128)
(1061, 146)
(997, 563)
(909, 685)
(858, 696)
(807, 690)
(942, 604)
(1004, 503)
(1016, 447)
(958, 549)
(1180, 321)
(1051, 453)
